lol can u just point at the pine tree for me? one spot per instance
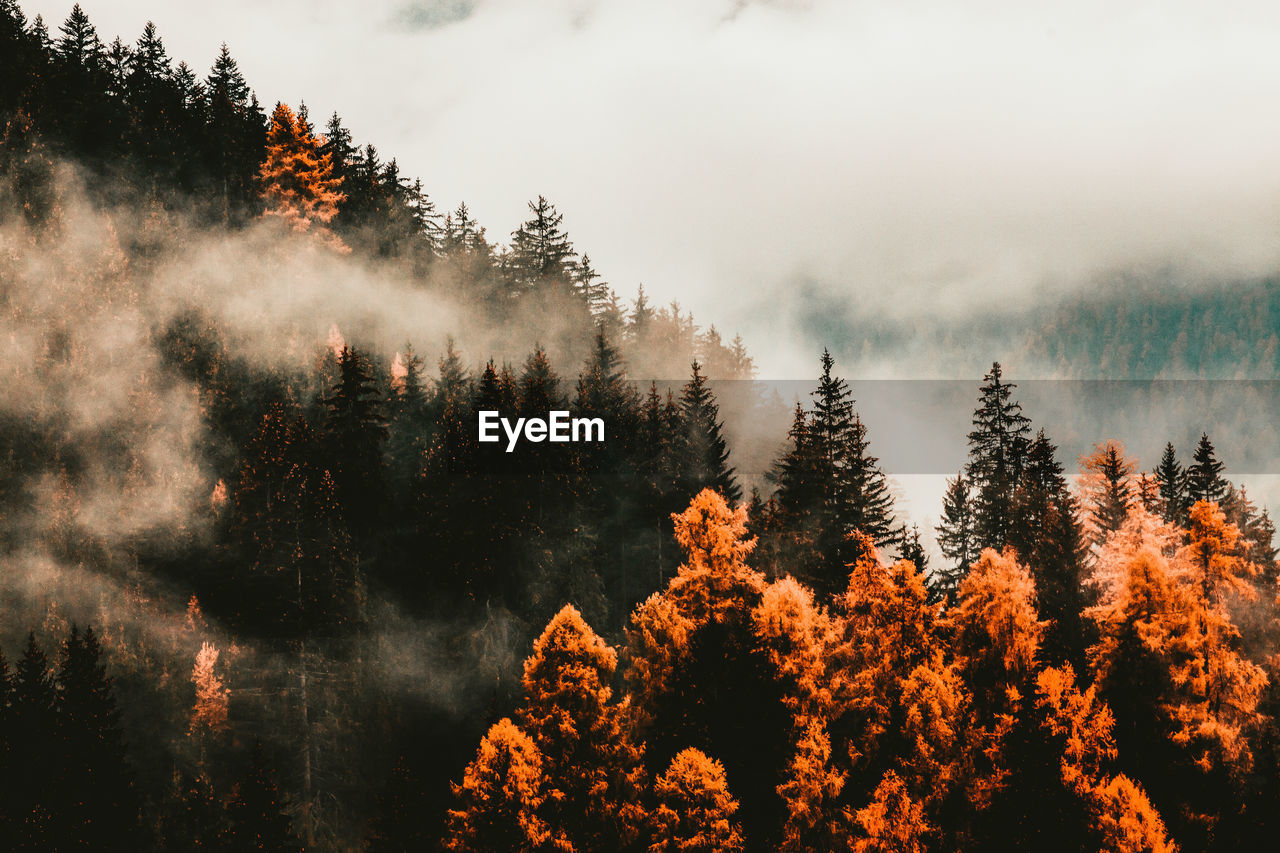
(998, 446)
(957, 540)
(1048, 539)
(704, 452)
(1107, 489)
(1172, 487)
(35, 802)
(1204, 476)
(540, 251)
(102, 808)
(79, 45)
(868, 502)
(354, 437)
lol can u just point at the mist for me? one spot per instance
(872, 159)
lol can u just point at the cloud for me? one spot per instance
(433, 14)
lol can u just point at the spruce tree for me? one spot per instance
(867, 502)
(1204, 476)
(957, 538)
(354, 437)
(101, 805)
(998, 446)
(540, 250)
(705, 452)
(1049, 541)
(1172, 487)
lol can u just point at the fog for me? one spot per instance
(755, 159)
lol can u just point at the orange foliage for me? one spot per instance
(592, 767)
(210, 711)
(297, 178)
(695, 808)
(795, 633)
(1215, 550)
(1209, 700)
(1127, 820)
(893, 822)
(1081, 722)
(500, 797)
(810, 791)
(713, 582)
(997, 634)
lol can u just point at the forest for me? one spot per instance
(262, 588)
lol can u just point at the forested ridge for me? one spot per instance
(264, 589)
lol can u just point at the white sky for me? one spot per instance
(919, 155)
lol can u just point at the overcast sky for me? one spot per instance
(914, 155)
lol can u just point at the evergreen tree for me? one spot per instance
(257, 818)
(1172, 487)
(79, 45)
(101, 805)
(35, 801)
(1107, 488)
(354, 437)
(997, 452)
(957, 540)
(540, 251)
(704, 452)
(1204, 480)
(868, 502)
(1049, 541)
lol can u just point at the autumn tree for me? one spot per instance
(1167, 663)
(593, 770)
(1107, 489)
(695, 810)
(298, 184)
(501, 796)
(699, 672)
(210, 710)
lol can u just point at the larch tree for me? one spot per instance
(699, 673)
(500, 799)
(298, 183)
(209, 713)
(695, 810)
(893, 822)
(593, 770)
